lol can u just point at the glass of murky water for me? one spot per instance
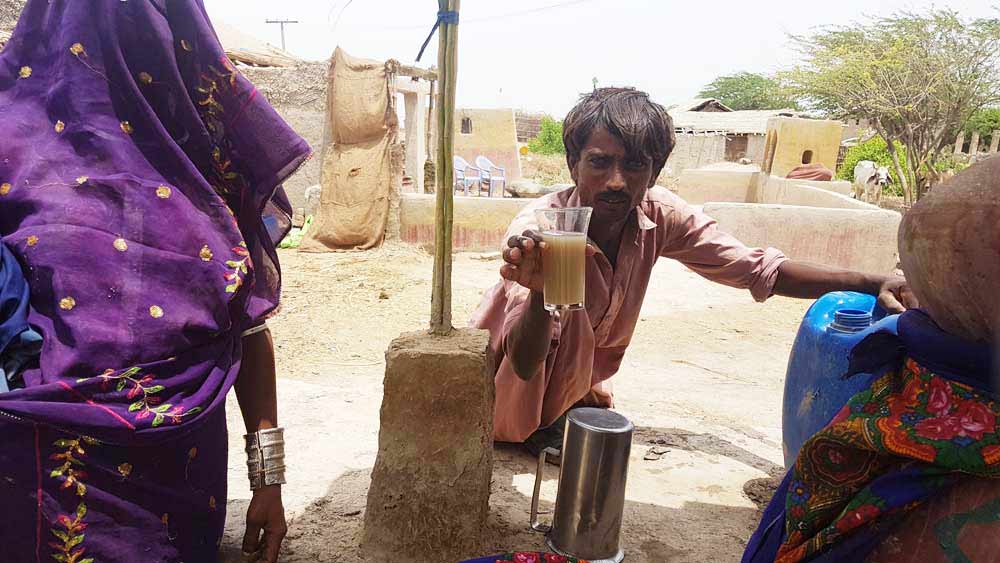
(564, 256)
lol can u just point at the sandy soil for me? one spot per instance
(702, 381)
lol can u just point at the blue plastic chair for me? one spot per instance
(466, 175)
(491, 174)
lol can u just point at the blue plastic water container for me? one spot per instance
(815, 389)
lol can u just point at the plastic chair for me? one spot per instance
(466, 175)
(490, 174)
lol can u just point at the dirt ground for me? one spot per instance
(702, 382)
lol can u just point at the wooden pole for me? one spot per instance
(443, 216)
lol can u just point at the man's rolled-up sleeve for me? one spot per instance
(695, 239)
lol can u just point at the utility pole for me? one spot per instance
(282, 24)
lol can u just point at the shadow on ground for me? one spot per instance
(329, 530)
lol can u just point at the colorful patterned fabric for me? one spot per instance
(136, 174)
(927, 422)
(846, 477)
(908, 437)
(527, 557)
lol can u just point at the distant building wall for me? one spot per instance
(703, 186)
(528, 125)
(480, 222)
(798, 141)
(755, 148)
(854, 128)
(695, 151)
(493, 134)
(857, 239)
(298, 94)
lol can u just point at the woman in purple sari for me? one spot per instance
(136, 170)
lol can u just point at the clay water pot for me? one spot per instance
(949, 245)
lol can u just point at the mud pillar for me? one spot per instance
(416, 137)
(960, 142)
(396, 160)
(415, 97)
(994, 141)
(974, 144)
(429, 496)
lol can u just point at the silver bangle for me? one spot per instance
(254, 330)
(266, 457)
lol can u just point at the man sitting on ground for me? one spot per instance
(617, 142)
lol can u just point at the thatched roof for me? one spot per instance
(701, 104)
(246, 49)
(752, 122)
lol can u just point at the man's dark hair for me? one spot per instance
(644, 126)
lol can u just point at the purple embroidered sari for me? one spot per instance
(137, 167)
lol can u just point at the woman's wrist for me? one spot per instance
(265, 458)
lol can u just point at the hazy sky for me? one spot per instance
(540, 54)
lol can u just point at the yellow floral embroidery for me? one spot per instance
(240, 269)
(60, 126)
(72, 461)
(67, 303)
(32, 240)
(71, 536)
(121, 245)
(4, 188)
(125, 469)
(206, 253)
(25, 72)
(143, 391)
(127, 127)
(82, 180)
(69, 528)
(192, 453)
(163, 192)
(155, 311)
(165, 519)
(211, 503)
(81, 55)
(145, 78)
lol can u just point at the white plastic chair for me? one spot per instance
(466, 175)
(491, 174)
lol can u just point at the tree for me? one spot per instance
(917, 78)
(746, 90)
(549, 139)
(985, 122)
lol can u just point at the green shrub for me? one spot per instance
(549, 139)
(876, 151)
(985, 121)
(949, 162)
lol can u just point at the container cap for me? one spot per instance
(851, 320)
(599, 420)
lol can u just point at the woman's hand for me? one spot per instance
(895, 295)
(267, 514)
